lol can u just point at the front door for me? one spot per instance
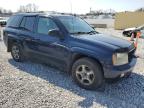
(51, 49)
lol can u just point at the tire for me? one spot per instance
(113, 80)
(16, 52)
(128, 75)
(87, 68)
(129, 35)
(126, 33)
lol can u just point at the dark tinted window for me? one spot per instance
(23, 22)
(45, 24)
(14, 21)
(28, 23)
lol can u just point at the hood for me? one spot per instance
(106, 40)
(130, 29)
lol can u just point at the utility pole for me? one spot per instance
(90, 10)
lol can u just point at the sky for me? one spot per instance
(75, 6)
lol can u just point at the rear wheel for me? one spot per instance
(87, 73)
(16, 53)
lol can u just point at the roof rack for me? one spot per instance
(49, 13)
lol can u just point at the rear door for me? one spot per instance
(27, 35)
(12, 28)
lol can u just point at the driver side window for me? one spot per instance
(46, 24)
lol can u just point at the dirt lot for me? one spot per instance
(32, 85)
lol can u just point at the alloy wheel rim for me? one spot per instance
(15, 52)
(85, 75)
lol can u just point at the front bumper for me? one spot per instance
(115, 71)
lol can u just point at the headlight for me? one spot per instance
(120, 58)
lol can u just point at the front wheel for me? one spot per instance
(16, 53)
(87, 73)
(127, 75)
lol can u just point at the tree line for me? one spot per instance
(140, 10)
(28, 8)
(34, 8)
(22, 8)
(5, 11)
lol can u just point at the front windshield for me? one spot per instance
(76, 25)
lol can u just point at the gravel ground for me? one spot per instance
(32, 85)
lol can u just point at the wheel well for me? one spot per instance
(79, 56)
(10, 42)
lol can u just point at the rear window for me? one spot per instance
(28, 23)
(14, 21)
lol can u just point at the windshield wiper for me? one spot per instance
(79, 33)
(92, 32)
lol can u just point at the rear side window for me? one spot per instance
(14, 21)
(28, 23)
(23, 22)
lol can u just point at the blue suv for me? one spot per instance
(70, 44)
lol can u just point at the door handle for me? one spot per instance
(32, 39)
(35, 40)
(57, 44)
(28, 39)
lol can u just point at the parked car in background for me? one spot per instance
(70, 44)
(2, 22)
(142, 33)
(128, 32)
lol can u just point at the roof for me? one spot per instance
(44, 14)
(30, 14)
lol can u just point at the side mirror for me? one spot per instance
(56, 33)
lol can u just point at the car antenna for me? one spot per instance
(71, 13)
(70, 6)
